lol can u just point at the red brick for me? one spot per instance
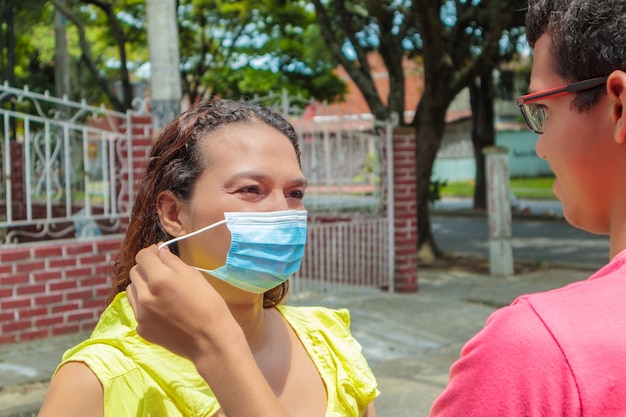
(64, 308)
(6, 269)
(30, 266)
(46, 300)
(108, 246)
(14, 303)
(47, 275)
(80, 316)
(79, 295)
(96, 305)
(15, 279)
(48, 321)
(91, 260)
(62, 262)
(93, 282)
(7, 316)
(32, 312)
(62, 285)
(79, 249)
(31, 289)
(48, 251)
(6, 339)
(78, 272)
(7, 256)
(16, 326)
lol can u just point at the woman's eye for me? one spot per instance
(297, 194)
(252, 189)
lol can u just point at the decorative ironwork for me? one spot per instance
(73, 174)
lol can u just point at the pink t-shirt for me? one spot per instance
(557, 353)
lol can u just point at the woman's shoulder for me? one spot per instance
(74, 391)
(318, 317)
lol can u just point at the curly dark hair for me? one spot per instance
(588, 39)
(175, 163)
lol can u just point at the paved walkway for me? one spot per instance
(410, 340)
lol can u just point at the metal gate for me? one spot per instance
(347, 161)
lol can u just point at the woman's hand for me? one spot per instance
(178, 309)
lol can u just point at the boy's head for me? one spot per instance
(577, 102)
(588, 39)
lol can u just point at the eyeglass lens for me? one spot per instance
(535, 116)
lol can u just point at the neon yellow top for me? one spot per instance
(143, 379)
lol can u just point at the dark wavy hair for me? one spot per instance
(175, 163)
(588, 39)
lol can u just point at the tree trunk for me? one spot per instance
(483, 132)
(430, 125)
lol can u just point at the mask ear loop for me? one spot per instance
(204, 229)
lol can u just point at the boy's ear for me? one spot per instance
(616, 89)
(171, 213)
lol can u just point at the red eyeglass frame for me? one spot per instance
(562, 90)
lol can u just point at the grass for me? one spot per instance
(532, 187)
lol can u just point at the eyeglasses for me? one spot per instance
(535, 113)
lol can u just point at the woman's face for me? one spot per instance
(250, 168)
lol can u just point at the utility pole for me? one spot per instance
(165, 83)
(61, 56)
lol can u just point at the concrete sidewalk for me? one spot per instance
(410, 340)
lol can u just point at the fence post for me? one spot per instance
(405, 209)
(499, 211)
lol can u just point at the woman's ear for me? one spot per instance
(171, 213)
(616, 89)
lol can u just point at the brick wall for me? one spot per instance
(53, 288)
(60, 287)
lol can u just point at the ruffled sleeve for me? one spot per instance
(325, 333)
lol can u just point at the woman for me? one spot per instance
(223, 188)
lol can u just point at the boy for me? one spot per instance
(561, 353)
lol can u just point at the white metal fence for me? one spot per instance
(64, 166)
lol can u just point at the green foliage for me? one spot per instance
(33, 49)
(434, 192)
(245, 48)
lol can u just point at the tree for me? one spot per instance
(233, 49)
(229, 49)
(26, 56)
(456, 41)
(104, 19)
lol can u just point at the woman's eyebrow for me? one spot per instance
(258, 176)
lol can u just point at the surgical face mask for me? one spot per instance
(266, 248)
